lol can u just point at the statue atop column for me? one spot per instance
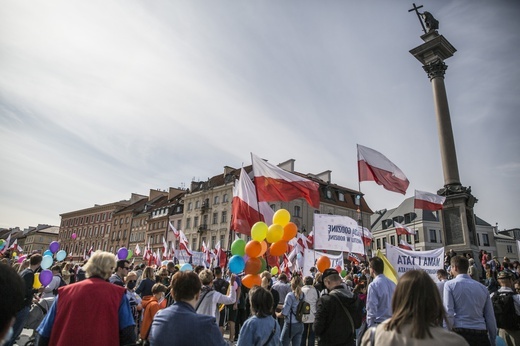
(427, 20)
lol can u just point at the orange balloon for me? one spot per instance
(264, 248)
(278, 248)
(289, 231)
(323, 263)
(251, 280)
(253, 265)
(253, 248)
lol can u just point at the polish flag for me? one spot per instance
(137, 250)
(158, 259)
(173, 229)
(244, 213)
(275, 184)
(428, 201)
(352, 257)
(404, 245)
(15, 246)
(403, 230)
(374, 166)
(7, 241)
(165, 246)
(183, 243)
(366, 235)
(302, 241)
(310, 240)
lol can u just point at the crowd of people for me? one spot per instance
(106, 301)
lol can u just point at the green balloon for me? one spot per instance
(264, 265)
(130, 254)
(238, 247)
(343, 273)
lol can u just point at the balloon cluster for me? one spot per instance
(124, 253)
(49, 255)
(273, 240)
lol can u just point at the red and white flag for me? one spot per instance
(428, 201)
(165, 246)
(366, 235)
(302, 241)
(245, 206)
(90, 251)
(402, 229)
(352, 257)
(173, 229)
(15, 246)
(137, 250)
(310, 240)
(7, 241)
(374, 166)
(158, 259)
(404, 245)
(275, 184)
(183, 243)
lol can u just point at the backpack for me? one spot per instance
(62, 283)
(221, 286)
(302, 310)
(504, 308)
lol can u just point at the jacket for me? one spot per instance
(331, 324)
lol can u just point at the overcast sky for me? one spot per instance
(99, 99)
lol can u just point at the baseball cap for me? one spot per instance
(329, 272)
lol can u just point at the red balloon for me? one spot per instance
(289, 231)
(323, 263)
(251, 280)
(253, 266)
(278, 248)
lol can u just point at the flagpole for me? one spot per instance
(414, 220)
(361, 219)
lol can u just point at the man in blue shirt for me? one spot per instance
(468, 306)
(379, 295)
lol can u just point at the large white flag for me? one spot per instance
(404, 260)
(336, 232)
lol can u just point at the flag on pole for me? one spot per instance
(352, 257)
(404, 245)
(15, 246)
(7, 241)
(275, 184)
(402, 229)
(173, 229)
(366, 235)
(374, 166)
(183, 243)
(428, 201)
(165, 246)
(137, 250)
(389, 270)
(158, 259)
(245, 206)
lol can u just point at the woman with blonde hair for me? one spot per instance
(292, 329)
(267, 283)
(147, 281)
(418, 316)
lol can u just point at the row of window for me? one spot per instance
(205, 204)
(223, 219)
(86, 219)
(86, 232)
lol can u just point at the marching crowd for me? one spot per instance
(106, 301)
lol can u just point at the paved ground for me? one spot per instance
(24, 337)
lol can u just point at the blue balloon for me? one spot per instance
(60, 255)
(47, 253)
(46, 262)
(186, 267)
(236, 264)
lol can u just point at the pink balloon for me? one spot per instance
(45, 277)
(74, 235)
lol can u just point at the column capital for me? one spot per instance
(435, 69)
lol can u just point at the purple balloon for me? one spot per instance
(54, 247)
(45, 277)
(122, 253)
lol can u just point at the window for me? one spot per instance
(509, 249)
(485, 239)
(213, 241)
(215, 218)
(416, 237)
(92, 219)
(225, 198)
(408, 238)
(329, 194)
(188, 223)
(97, 217)
(297, 211)
(195, 221)
(103, 218)
(205, 220)
(384, 243)
(433, 236)
(127, 219)
(194, 243)
(341, 196)
(197, 205)
(224, 217)
(216, 200)
(179, 223)
(392, 240)
(190, 206)
(115, 222)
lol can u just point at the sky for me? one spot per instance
(100, 99)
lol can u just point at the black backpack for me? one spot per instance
(62, 283)
(302, 309)
(505, 314)
(221, 286)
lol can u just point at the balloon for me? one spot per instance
(323, 263)
(278, 248)
(259, 231)
(122, 253)
(21, 259)
(2, 244)
(264, 247)
(251, 280)
(46, 263)
(237, 248)
(14, 254)
(130, 254)
(253, 248)
(253, 265)
(289, 231)
(236, 264)
(47, 253)
(274, 270)
(74, 236)
(186, 267)
(45, 277)
(264, 265)
(36, 283)
(281, 217)
(343, 273)
(60, 256)
(54, 246)
(274, 233)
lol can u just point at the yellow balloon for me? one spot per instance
(259, 231)
(282, 217)
(274, 270)
(274, 233)
(36, 283)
